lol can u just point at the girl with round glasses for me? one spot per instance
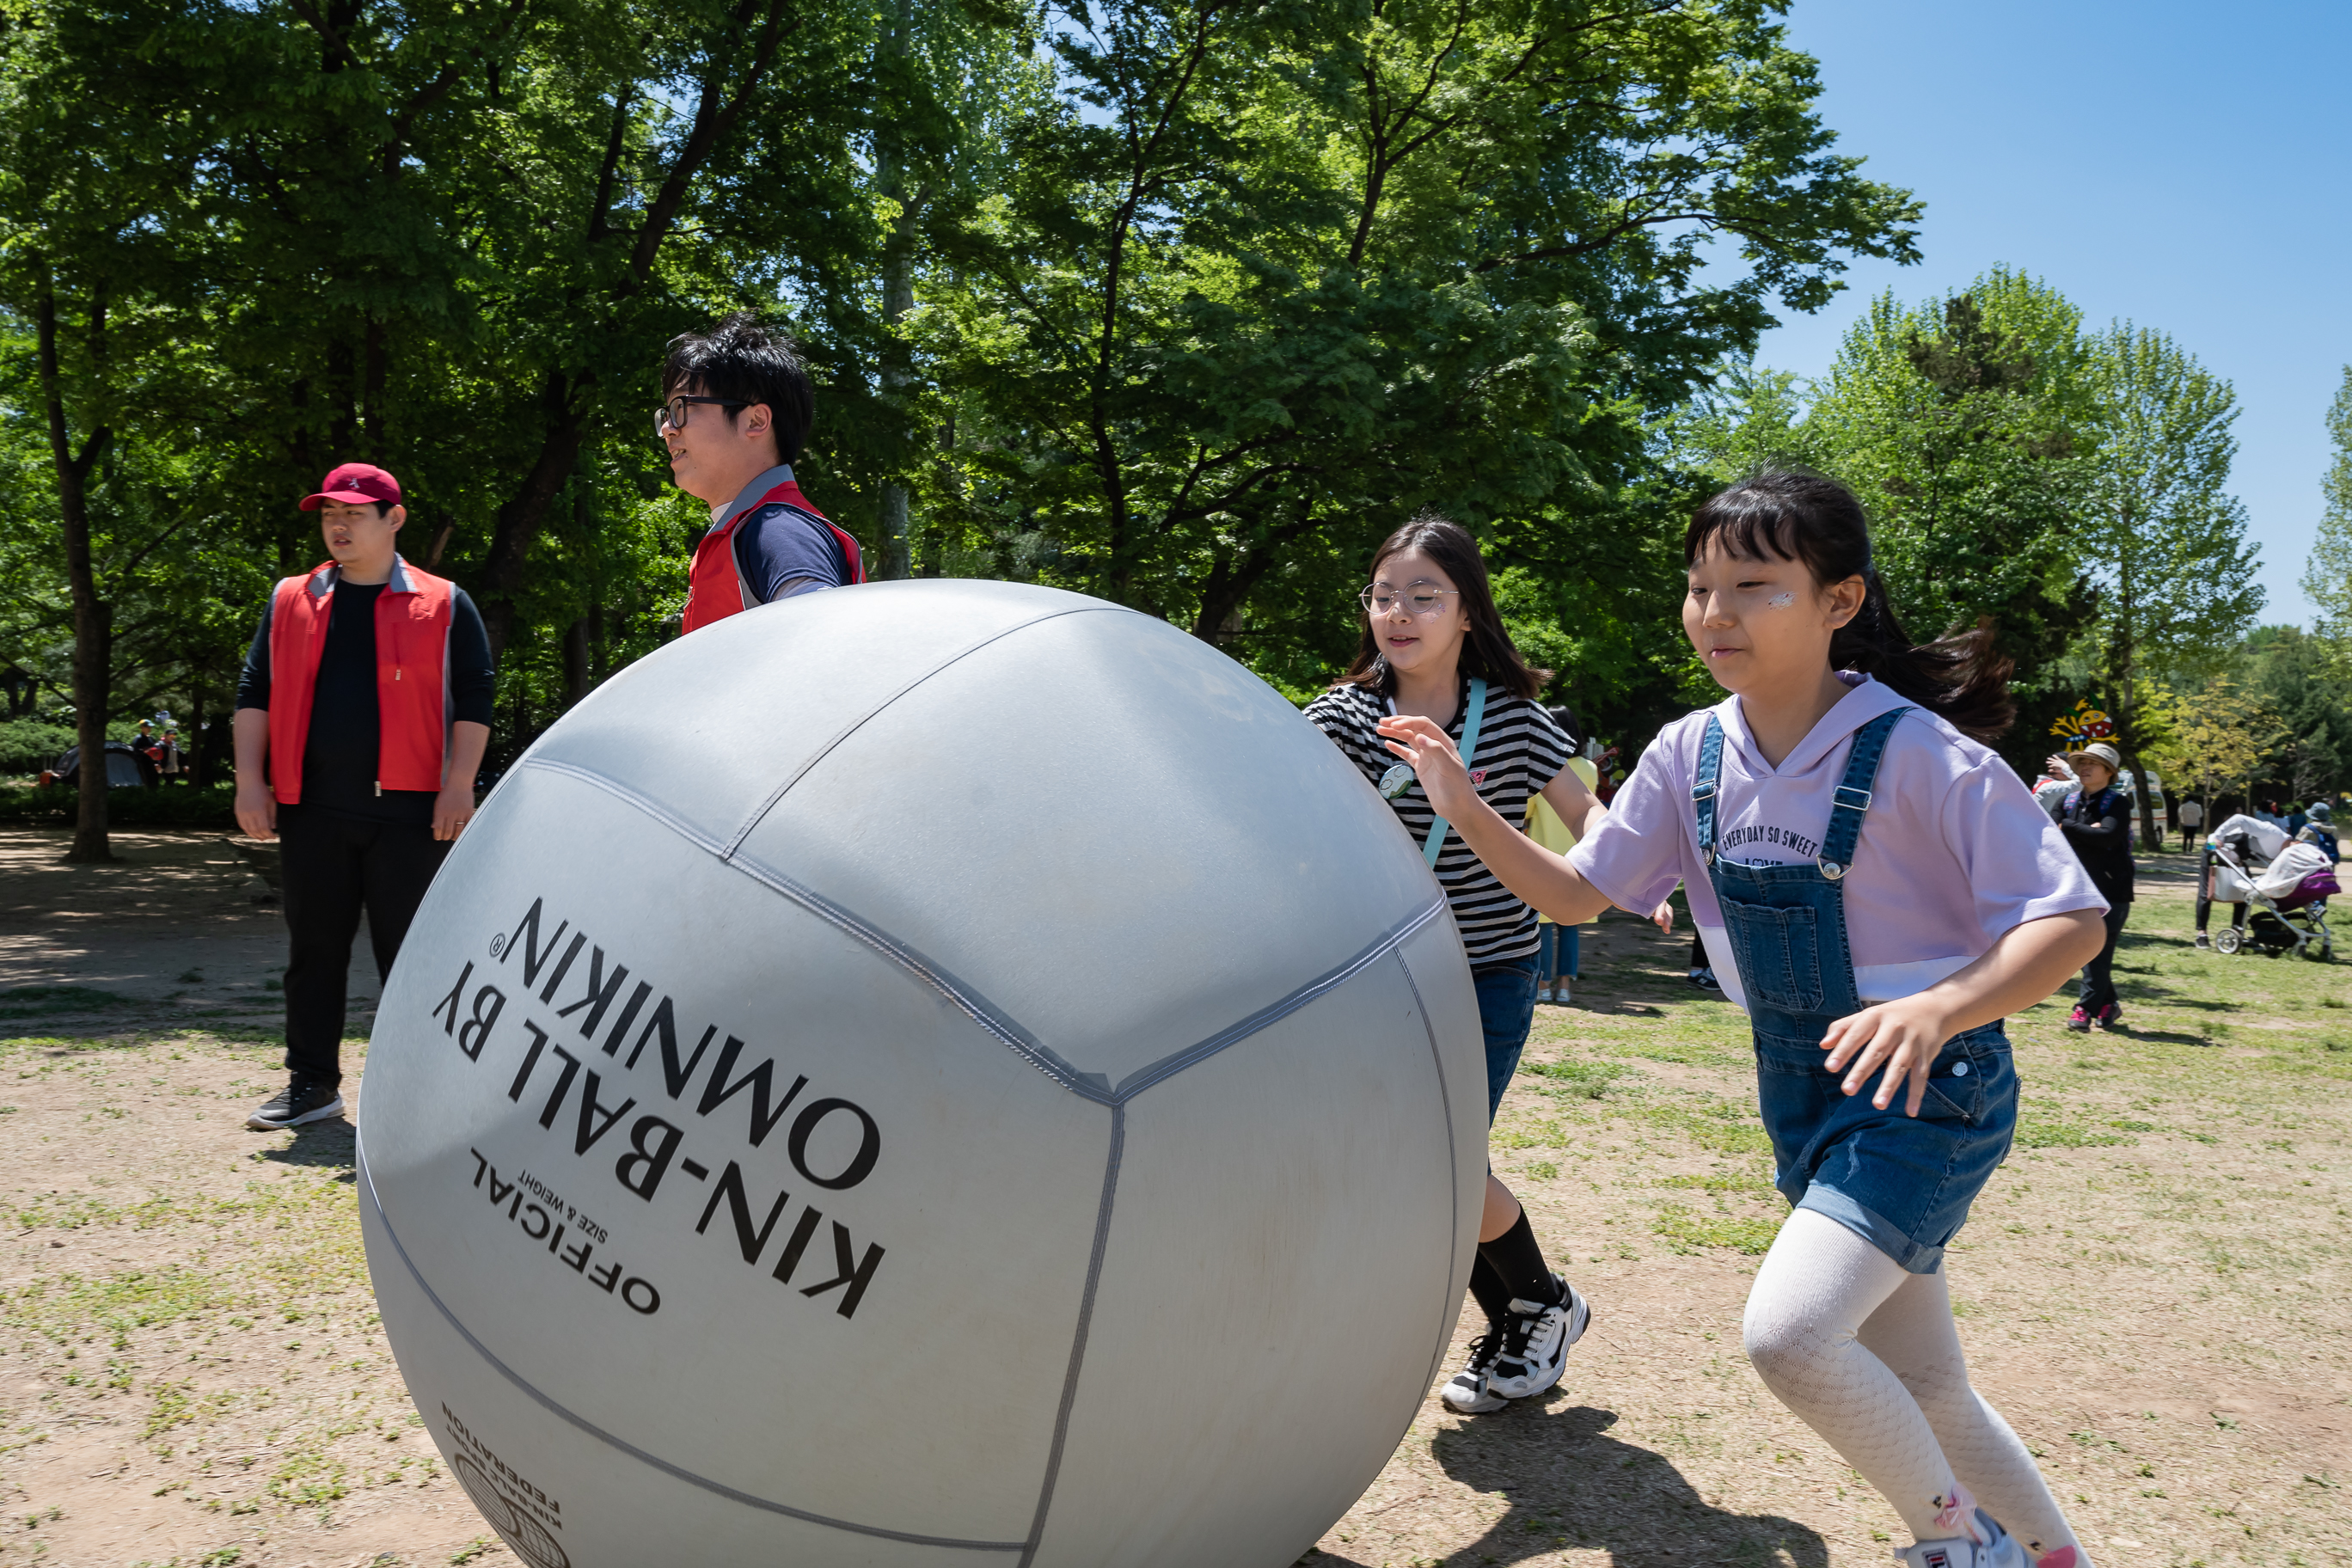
(1433, 645)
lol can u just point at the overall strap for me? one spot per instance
(1851, 799)
(1437, 840)
(1711, 766)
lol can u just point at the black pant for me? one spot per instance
(2206, 869)
(334, 866)
(2098, 991)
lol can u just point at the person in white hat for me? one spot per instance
(2097, 818)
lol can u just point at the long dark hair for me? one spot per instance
(1808, 517)
(1486, 650)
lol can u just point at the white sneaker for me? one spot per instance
(1983, 1543)
(1544, 995)
(1465, 1392)
(1536, 1338)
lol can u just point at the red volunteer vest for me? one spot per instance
(412, 676)
(715, 589)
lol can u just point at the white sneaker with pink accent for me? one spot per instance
(1977, 1541)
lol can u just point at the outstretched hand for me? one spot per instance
(1429, 750)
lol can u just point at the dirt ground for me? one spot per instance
(191, 1371)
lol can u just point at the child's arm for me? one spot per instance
(1534, 874)
(1582, 809)
(2028, 962)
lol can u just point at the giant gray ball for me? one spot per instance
(931, 1073)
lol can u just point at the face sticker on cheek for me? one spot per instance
(1781, 601)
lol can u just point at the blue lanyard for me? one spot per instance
(1436, 841)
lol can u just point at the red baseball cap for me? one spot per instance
(355, 484)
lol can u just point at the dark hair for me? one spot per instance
(745, 362)
(1486, 651)
(1565, 716)
(1808, 517)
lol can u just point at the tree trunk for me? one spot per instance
(507, 564)
(898, 299)
(576, 680)
(192, 755)
(93, 618)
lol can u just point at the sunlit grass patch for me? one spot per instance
(1720, 1125)
(1687, 1230)
(1588, 1079)
(286, 1203)
(136, 1298)
(1721, 1182)
(2040, 1130)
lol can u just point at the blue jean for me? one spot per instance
(1556, 954)
(1902, 1182)
(1506, 1010)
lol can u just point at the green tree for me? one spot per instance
(2160, 534)
(2300, 682)
(2327, 573)
(1264, 281)
(94, 274)
(1964, 424)
(2209, 739)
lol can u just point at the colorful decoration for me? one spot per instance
(2082, 726)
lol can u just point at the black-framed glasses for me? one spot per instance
(671, 415)
(1420, 598)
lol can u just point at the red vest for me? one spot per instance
(412, 676)
(715, 589)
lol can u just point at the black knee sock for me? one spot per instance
(1487, 1288)
(1519, 1264)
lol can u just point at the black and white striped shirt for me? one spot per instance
(1520, 749)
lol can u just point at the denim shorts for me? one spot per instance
(1507, 1011)
(1904, 1183)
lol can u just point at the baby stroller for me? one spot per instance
(2284, 887)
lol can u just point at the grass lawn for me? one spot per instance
(2152, 1291)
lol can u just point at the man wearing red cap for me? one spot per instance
(360, 720)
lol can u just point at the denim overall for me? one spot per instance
(1904, 1183)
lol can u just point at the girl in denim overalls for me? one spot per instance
(1880, 891)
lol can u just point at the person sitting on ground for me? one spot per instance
(735, 412)
(2095, 817)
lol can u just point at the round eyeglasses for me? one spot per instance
(671, 415)
(1420, 599)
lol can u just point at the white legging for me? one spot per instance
(1866, 1354)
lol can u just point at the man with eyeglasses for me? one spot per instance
(736, 410)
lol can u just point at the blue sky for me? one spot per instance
(2185, 166)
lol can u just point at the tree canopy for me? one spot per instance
(1186, 303)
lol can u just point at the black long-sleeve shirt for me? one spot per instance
(339, 758)
(2099, 826)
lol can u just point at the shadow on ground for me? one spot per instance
(1571, 1485)
(327, 1145)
